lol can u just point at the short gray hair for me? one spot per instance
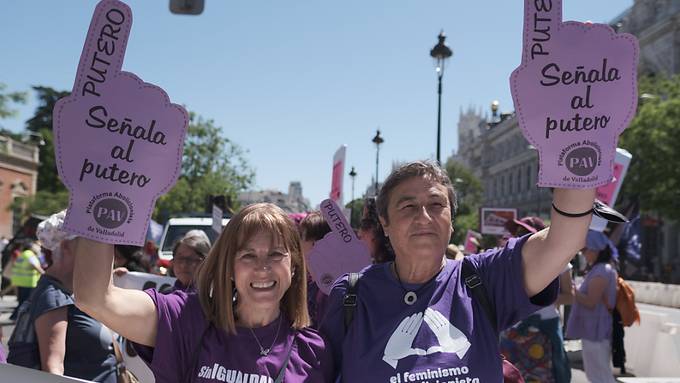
(197, 241)
(427, 169)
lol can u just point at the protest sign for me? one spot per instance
(338, 175)
(472, 242)
(17, 374)
(574, 93)
(493, 220)
(118, 140)
(142, 281)
(338, 252)
(608, 193)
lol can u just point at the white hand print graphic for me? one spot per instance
(449, 338)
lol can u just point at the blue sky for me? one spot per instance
(291, 81)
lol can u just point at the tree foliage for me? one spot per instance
(8, 98)
(41, 123)
(42, 203)
(211, 165)
(469, 192)
(653, 139)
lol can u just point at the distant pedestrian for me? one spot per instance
(590, 319)
(313, 228)
(26, 271)
(51, 333)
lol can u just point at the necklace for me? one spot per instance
(410, 297)
(265, 351)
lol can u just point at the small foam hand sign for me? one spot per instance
(574, 93)
(338, 252)
(118, 140)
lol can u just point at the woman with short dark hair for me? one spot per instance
(417, 319)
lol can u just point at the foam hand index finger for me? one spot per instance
(541, 19)
(338, 252)
(104, 48)
(337, 221)
(574, 93)
(118, 140)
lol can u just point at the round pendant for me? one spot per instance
(410, 298)
(264, 352)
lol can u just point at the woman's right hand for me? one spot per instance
(130, 313)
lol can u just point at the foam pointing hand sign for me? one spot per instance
(339, 252)
(574, 93)
(118, 140)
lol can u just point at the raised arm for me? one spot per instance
(50, 329)
(130, 313)
(547, 252)
(594, 294)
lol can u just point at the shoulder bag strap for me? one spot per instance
(474, 283)
(349, 302)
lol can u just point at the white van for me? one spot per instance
(175, 229)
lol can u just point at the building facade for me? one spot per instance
(18, 179)
(656, 24)
(293, 202)
(499, 155)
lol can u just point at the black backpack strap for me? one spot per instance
(474, 283)
(349, 301)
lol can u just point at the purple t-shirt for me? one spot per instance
(443, 337)
(594, 324)
(184, 348)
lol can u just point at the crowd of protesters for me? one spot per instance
(246, 309)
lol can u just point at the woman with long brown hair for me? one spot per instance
(247, 320)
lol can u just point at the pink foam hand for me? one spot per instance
(338, 252)
(118, 140)
(574, 93)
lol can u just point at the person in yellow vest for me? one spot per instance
(25, 273)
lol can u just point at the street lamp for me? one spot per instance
(377, 140)
(440, 53)
(353, 174)
(494, 110)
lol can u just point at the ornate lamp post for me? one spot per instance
(353, 174)
(377, 140)
(440, 53)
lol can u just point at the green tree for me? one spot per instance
(468, 187)
(41, 123)
(6, 110)
(8, 98)
(653, 138)
(211, 165)
(42, 203)
(469, 192)
(357, 210)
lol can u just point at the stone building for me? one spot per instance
(656, 24)
(293, 202)
(18, 179)
(499, 155)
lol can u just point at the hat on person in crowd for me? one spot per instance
(51, 231)
(596, 240)
(531, 224)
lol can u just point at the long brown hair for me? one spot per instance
(214, 281)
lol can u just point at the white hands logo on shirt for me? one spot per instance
(399, 345)
(450, 339)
